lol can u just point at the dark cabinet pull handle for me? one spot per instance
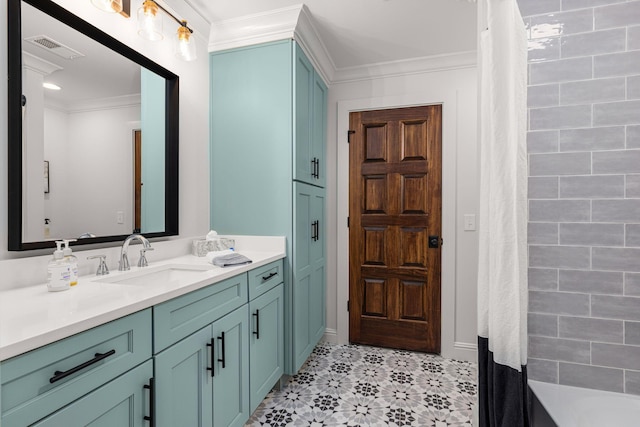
(152, 401)
(317, 168)
(221, 338)
(212, 344)
(313, 168)
(264, 279)
(317, 230)
(257, 331)
(315, 226)
(58, 375)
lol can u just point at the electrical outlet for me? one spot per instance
(470, 222)
(120, 217)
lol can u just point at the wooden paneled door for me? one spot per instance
(395, 198)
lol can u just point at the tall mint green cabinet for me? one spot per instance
(268, 133)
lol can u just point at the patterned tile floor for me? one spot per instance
(351, 385)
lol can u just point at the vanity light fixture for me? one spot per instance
(150, 25)
(150, 28)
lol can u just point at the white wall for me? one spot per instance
(91, 158)
(456, 90)
(194, 108)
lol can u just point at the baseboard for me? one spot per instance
(330, 336)
(465, 351)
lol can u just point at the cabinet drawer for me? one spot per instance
(182, 316)
(123, 402)
(89, 359)
(264, 278)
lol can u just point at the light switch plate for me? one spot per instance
(470, 222)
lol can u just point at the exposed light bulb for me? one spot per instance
(150, 21)
(185, 48)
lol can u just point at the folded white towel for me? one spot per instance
(211, 255)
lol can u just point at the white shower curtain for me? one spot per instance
(502, 271)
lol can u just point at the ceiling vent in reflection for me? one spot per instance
(54, 47)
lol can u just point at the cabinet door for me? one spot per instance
(122, 402)
(266, 349)
(317, 300)
(308, 271)
(231, 380)
(303, 151)
(183, 383)
(319, 128)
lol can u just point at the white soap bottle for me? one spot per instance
(58, 271)
(73, 262)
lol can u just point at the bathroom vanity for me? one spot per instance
(192, 345)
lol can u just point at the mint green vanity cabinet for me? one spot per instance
(40, 382)
(203, 379)
(268, 121)
(217, 353)
(123, 402)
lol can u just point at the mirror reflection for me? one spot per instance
(93, 137)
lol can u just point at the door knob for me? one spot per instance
(434, 241)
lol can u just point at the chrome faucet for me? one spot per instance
(124, 259)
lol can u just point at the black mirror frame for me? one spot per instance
(14, 57)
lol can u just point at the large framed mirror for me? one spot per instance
(93, 133)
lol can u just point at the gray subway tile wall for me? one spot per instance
(584, 192)
(595, 377)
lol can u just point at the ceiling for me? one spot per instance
(359, 33)
(78, 76)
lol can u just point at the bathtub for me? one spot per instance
(565, 406)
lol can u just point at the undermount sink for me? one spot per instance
(162, 274)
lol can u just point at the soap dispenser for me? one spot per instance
(58, 271)
(73, 262)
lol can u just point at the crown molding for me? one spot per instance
(405, 67)
(278, 24)
(312, 45)
(101, 104)
(295, 22)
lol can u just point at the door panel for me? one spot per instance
(231, 381)
(395, 205)
(267, 343)
(309, 270)
(183, 383)
(303, 97)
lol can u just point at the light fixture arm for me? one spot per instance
(181, 22)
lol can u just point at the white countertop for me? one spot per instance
(31, 317)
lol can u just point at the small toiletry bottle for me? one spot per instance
(73, 262)
(58, 271)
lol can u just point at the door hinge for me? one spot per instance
(348, 305)
(349, 133)
(347, 222)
